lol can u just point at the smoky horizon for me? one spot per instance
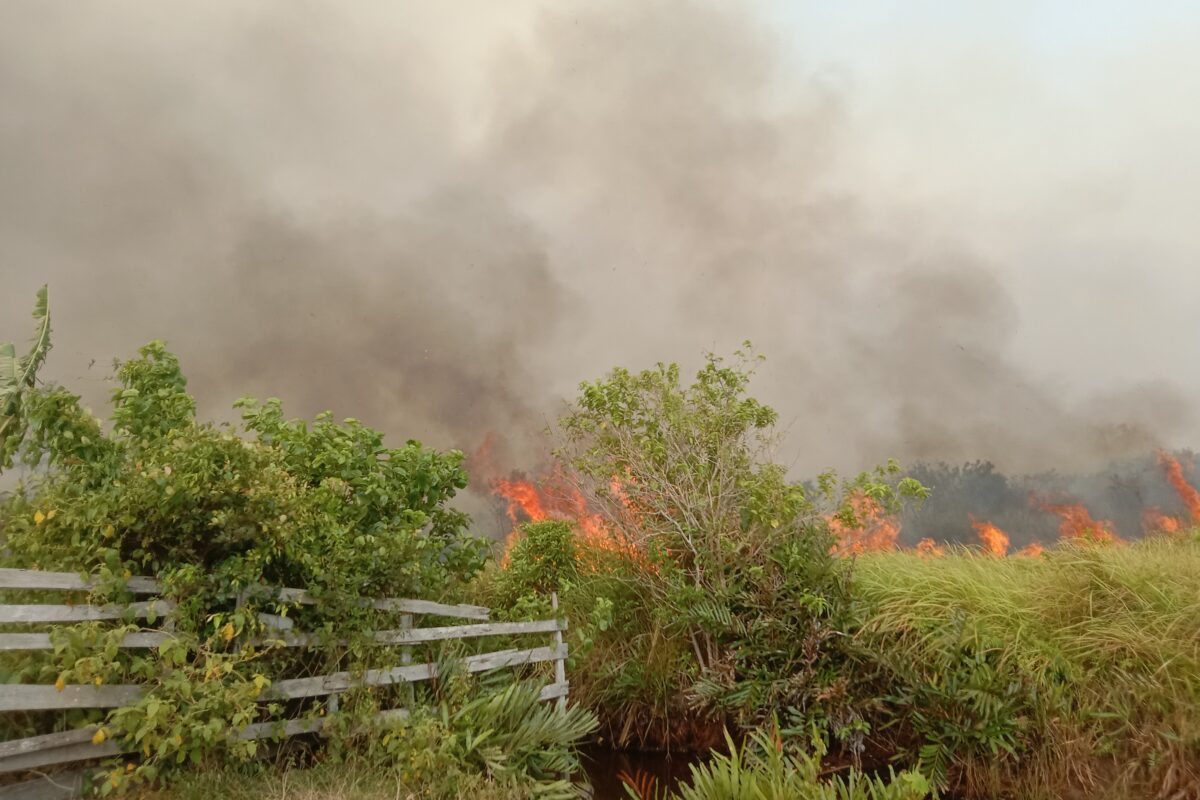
(953, 243)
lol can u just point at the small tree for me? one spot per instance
(739, 555)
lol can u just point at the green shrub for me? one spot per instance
(218, 515)
(764, 769)
(325, 506)
(542, 559)
(703, 588)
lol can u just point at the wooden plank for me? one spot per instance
(418, 635)
(41, 641)
(59, 786)
(275, 622)
(555, 691)
(271, 730)
(76, 745)
(66, 581)
(343, 681)
(45, 742)
(461, 611)
(38, 579)
(69, 746)
(66, 754)
(406, 654)
(431, 608)
(560, 668)
(82, 613)
(26, 697)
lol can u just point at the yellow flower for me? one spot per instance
(39, 518)
(129, 767)
(228, 631)
(97, 680)
(99, 737)
(60, 684)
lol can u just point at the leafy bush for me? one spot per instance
(703, 582)
(325, 506)
(494, 742)
(218, 515)
(503, 732)
(763, 769)
(543, 559)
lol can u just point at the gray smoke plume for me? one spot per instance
(441, 226)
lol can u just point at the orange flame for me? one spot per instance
(522, 496)
(1075, 522)
(875, 529)
(1154, 521)
(1032, 550)
(1187, 493)
(552, 499)
(929, 548)
(994, 540)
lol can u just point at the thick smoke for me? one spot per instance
(441, 227)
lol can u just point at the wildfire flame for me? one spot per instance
(551, 498)
(1076, 522)
(929, 548)
(523, 498)
(1033, 550)
(1187, 493)
(1154, 521)
(994, 540)
(875, 529)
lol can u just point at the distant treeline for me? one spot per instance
(1121, 492)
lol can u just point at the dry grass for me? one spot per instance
(1104, 641)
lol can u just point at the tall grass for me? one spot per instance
(1076, 671)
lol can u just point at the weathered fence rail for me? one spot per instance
(38, 752)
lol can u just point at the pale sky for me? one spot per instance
(1061, 138)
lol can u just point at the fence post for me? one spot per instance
(560, 667)
(406, 624)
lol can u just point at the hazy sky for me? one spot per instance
(1059, 139)
(957, 230)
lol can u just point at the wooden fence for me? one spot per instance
(38, 752)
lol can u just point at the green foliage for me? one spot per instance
(357, 778)
(18, 375)
(765, 768)
(506, 734)
(717, 595)
(218, 515)
(328, 507)
(542, 560)
(1037, 675)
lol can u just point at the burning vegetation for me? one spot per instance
(553, 498)
(865, 526)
